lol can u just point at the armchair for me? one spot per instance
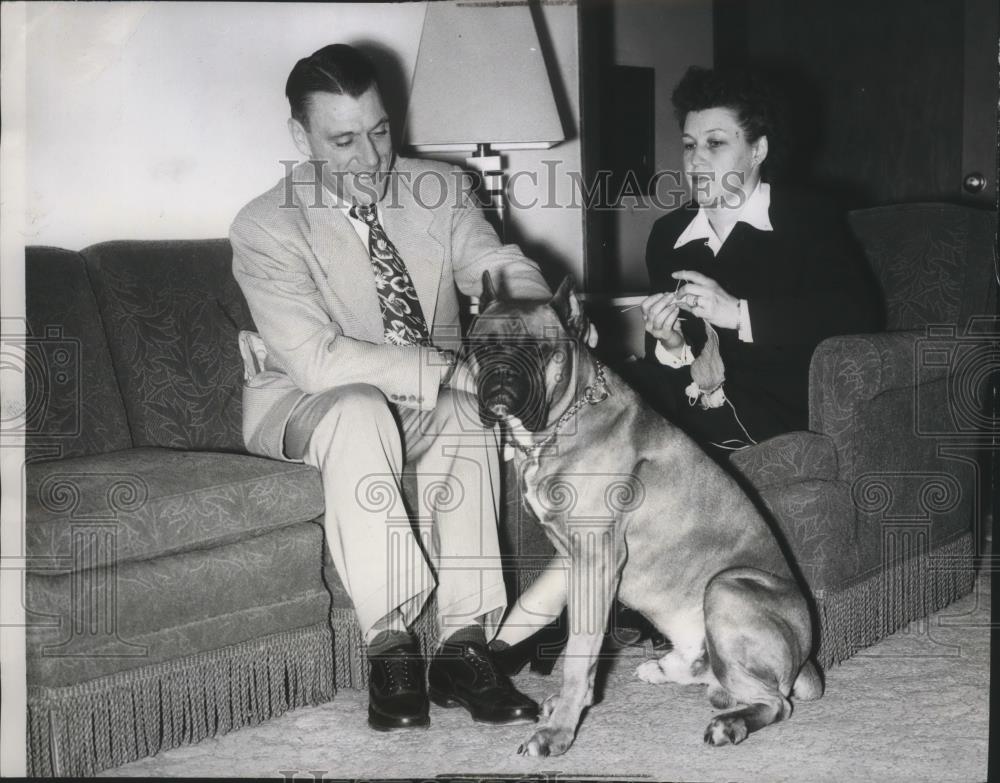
(879, 500)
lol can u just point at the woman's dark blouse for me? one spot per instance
(804, 281)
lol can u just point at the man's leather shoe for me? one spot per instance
(467, 675)
(396, 695)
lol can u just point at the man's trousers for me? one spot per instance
(390, 551)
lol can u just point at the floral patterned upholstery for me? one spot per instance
(172, 311)
(847, 373)
(170, 607)
(164, 501)
(73, 404)
(930, 260)
(796, 456)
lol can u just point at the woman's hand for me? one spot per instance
(659, 313)
(705, 298)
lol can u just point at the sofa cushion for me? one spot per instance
(153, 502)
(105, 621)
(73, 405)
(172, 311)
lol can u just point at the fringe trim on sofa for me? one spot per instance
(83, 729)
(860, 615)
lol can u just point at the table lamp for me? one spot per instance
(480, 85)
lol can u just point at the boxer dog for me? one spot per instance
(673, 533)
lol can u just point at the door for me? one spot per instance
(980, 109)
(892, 101)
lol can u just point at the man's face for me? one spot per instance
(351, 137)
(720, 165)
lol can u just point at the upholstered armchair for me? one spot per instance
(879, 500)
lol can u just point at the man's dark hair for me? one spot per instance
(338, 68)
(749, 96)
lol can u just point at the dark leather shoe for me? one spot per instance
(396, 695)
(627, 628)
(466, 675)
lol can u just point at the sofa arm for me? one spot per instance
(848, 372)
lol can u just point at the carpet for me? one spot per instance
(914, 707)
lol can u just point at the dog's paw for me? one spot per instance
(549, 705)
(725, 730)
(651, 672)
(547, 741)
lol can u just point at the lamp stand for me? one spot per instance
(490, 166)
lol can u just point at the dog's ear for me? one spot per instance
(489, 294)
(569, 309)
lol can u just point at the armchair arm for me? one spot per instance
(848, 373)
(785, 459)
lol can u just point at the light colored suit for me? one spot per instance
(371, 408)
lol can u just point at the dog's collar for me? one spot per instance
(592, 395)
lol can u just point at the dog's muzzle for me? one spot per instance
(510, 383)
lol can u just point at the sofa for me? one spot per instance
(179, 588)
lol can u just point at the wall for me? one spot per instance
(668, 37)
(160, 120)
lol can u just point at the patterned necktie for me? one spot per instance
(402, 315)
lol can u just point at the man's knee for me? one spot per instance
(361, 405)
(357, 399)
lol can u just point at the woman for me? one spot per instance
(772, 270)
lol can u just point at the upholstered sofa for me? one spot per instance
(178, 587)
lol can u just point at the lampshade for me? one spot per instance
(480, 79)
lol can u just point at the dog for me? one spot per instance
(682, 544)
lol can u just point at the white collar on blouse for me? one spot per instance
(755, 213)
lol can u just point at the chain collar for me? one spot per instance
(591, 396)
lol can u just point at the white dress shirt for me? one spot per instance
(360, 227)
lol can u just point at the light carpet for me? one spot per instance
(914, 707)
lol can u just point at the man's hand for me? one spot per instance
(659, 313)
(703, 297)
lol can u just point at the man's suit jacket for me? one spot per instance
(308, 279)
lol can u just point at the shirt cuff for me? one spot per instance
(663, 356)
(745, 333)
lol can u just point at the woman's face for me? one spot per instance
(721, 167)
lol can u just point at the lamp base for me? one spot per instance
(489, 164)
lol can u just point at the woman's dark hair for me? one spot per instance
(338, 68)
(749, 96)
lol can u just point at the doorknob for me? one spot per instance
(974, 182)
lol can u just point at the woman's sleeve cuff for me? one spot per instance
(745, 333)
(663, 356)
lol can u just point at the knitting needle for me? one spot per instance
(632, 307)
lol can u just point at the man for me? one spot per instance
(350, 266)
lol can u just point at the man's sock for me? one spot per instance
(470, 633)
(387, 633)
